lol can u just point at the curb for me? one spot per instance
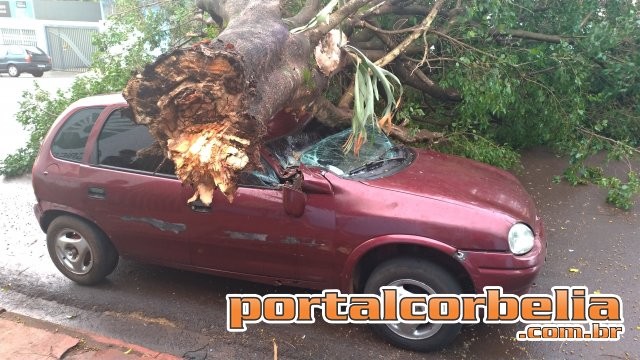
(37, 337)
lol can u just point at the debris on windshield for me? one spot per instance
(329, 153)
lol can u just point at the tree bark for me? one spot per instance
(209, 106)
(532, 36)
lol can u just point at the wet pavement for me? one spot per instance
(183, 313)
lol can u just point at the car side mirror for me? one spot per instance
(294, 200)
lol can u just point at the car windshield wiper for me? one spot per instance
(374, 164)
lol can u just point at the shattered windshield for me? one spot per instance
(377, 156)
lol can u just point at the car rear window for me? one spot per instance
(127, 145)
(34, 50)
(71, 139)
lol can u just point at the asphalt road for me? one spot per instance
(184, 313)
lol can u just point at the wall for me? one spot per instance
(67, 10)
(16, 9)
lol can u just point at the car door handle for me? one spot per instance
(97, 193)
(199, 206)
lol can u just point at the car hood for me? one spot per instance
(462, 181)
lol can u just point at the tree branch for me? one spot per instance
(331, 115)
(347, 97)
(610, 140)
(460, 43)
(305, 15)
(367, 25)
(337, 17)
(586, 19)
(372, 44)
(389, 8)
(417, 79)
(408, 136)
(214, 8)
(424, 26)
(523, 34)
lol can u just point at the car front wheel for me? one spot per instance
(80, 251)
(415, 277)
(13, 71)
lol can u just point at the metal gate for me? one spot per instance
(70, 48)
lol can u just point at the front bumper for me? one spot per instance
(37, 210)
(515, 274)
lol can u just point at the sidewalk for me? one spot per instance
(30, 339)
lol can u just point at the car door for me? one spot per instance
(3, 58)
(16, 55)
(254, 236)
(135, 198)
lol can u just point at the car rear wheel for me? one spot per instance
(37, 73)
(13, 71)
(415, 277)
(80, 251)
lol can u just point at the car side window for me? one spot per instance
(127, 145)
(71, 139)
(15, 50)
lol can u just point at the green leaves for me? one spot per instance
(367, 79)
(621, 194)
(479, 148)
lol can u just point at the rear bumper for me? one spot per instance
(515, 274)
(34, 67)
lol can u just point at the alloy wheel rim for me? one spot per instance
(13, 71)
(413, 331)
(73, 251)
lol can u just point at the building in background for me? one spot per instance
(18, 9)
(63, 28)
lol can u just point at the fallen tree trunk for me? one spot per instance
(209, 105)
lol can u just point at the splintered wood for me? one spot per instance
(209, 157)
(194, 103)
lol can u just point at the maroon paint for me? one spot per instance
(444, 203)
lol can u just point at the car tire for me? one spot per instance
(418, 277)
(80, 251)
(37, 73)
(13, 71)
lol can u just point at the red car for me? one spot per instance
(419, 220)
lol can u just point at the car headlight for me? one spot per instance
(521, 239)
